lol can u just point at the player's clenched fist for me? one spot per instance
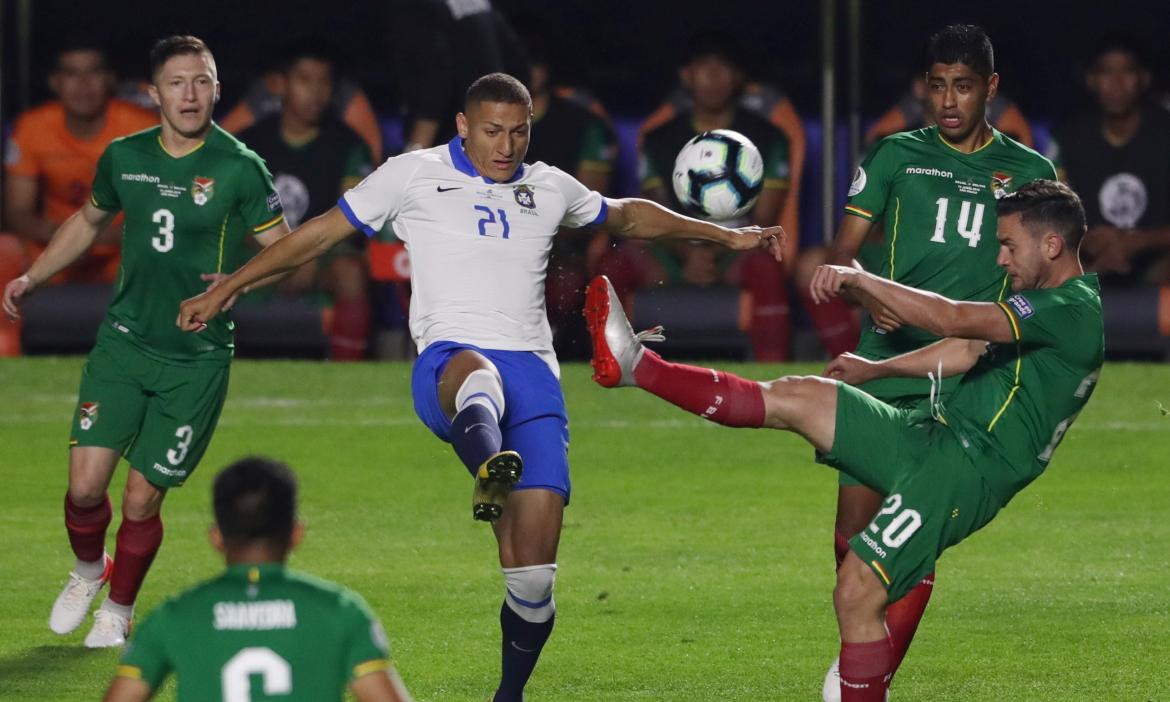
(16, 290)
(851, 368)
(829, 281)
(195, 312)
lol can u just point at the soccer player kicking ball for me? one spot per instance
(192, 195)
(479, 224)
(935, 189)
(1027, 367)
(305, 639)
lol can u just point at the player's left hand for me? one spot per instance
(214, 279)
(769, 238)
(829, 281)
(852, 369)
(195, 312)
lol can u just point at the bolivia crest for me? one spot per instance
(202, 189)
(1000, 182)
(88, 414)
(525, 197)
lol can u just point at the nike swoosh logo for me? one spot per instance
(523, 650)
(443, 190)
(477, 424)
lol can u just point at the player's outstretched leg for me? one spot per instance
(619, 359)
(139, 539)
(87, 517)
(476, 409)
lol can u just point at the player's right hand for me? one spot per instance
(16, 290)
(852, 369)
(196, 312)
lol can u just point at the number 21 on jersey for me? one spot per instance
(968, 229)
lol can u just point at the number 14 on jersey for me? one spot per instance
(968, 229)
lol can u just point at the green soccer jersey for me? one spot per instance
(938, 206)
(1019, 399)
(184, 217)
(258, 632)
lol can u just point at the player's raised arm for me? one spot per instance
(936, 314)
(946, 356)
(304, 244)
(69, 242)
(635, 218)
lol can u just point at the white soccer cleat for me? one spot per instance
(110, 629)
(616, 348)
(74, 601)
(831, 692)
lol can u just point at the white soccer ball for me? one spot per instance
(718, 175)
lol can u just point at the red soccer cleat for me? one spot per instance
(616, 348)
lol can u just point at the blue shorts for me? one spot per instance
(534, 424)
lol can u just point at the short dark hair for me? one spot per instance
(967, 44)
(498, 87)
(164, 49)
(255, 499)
(1046, 205)
(79, 44)
(307, 48)
(1122, 44)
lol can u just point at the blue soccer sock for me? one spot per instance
(522, 642)
(475, 435)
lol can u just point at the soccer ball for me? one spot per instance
(718, 174)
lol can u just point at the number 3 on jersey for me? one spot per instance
(967, 229)
(164, 241)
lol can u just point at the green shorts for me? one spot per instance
(936, 496)
(920, 403)
(159, 416)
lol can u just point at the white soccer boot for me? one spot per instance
(616, 348)
(831, 692)
(74, 601)
(110, 629)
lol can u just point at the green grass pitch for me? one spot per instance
(696, 561)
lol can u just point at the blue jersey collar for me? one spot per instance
(463, 164)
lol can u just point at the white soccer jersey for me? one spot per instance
(478, 248)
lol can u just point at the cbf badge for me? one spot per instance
(89, 415)
(525, 197)
(202, 189)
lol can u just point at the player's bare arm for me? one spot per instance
(635, 218)
(306, 243)
(21, 195)
(127, 690)
(847, 243)
(72, 239)
(266, 238)
(953, 356)
(382, 686)
(926, 310)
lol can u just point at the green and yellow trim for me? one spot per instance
(129, 671)
(855, 210)
(595, 166)
(775, 183)
(167, 151)
(374, 666)
(222, 237)
(894, 237)
(877, 568)
(269, 224)
(651, 183)
(973, 151)
(1019, 358)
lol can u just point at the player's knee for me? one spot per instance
(858, 590)
(87, 495)
(141, 500)
(786, 400)
(530, 591)
(482, 386)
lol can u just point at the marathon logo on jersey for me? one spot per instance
(936, 172)
(1022, 307)
(525, 197)
(1000, 182)
(89, 415)
(139, 178)
(255, 616)
(202, 190)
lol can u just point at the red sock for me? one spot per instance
(87, 528)
(840, 546)
(351, 327)
(835, 324)
(902, 618)
(865, 670)
(138, 543)
(720, 397)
